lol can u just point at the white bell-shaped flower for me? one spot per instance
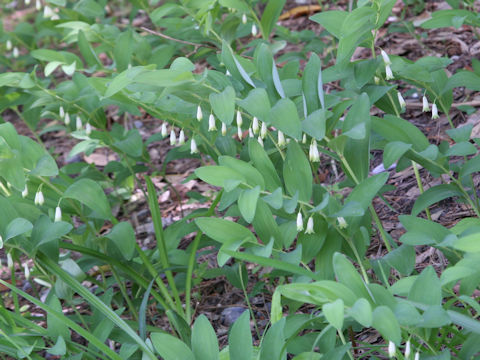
(193, 147)
(434, 111)
(199, 113)
(224, 129)
(388, 73)
(164, 130)
(78, 123)
(263, 131)
(58, 214)
(244, 18)
(425, 106)
(173, 138)
(67, 119)
(255, 126)
(16, 52)
(260, 141)
(281, 138)
(401, 100)
(211, 123)
(239, 133)
(408, 350)
(299, 221)
(392, 350)
(254, 30)
(239, 118)
(9, 45)
(342, 224)
(181, 137)
(310, 226)
(88, 129)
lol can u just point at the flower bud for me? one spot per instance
(244, 18)
(58, 214)
(67, 119)
(25, 192)
(224, 129)
(164, 130)
(211, 123)
(9, 261)
(385, 57)
(281, 138)
(250, 133)
(193, 147)
(181, 137)
(401, 100)
(199, 113)
(239, 133)
(88, 129)
(417, 356)
(239, 118)
(376, 80)
(310, 226)
(299, 221)
(9, 45)
(304, 138)
(173, 138)
(78, 123)
(434, 111)
(260, 141)
(388, 73)
(263, 130)
(425, 104)
(255, 126)
(227, 73)
(254, 30)
(16, 53)
(408, 349)
(27, 271)
(391, 349)
(61, 112)
(342, 224)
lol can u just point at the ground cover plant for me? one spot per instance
(291, 148)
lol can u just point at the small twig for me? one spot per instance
(411, 104)
(176, 40)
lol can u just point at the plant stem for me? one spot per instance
(420, 186)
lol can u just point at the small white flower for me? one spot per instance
(211, 123)
(39, 199)
(417, 356)
(1, 246)
(16, 53)
(391, 349)
(61, 112)
(48, 12)
(304, 138)
(408, 349)
(42, 282)
(164, 130)
(255, 126)
(58, 214)
(281, 138)
(313, 153)
(239, 133)
(9, 261)
(310, 226)
(88, 129)
(181, 137)
(254, 30)
(239, 118)
(260, 141)
(342, 224)
(250, 133)
(244, 18)
(227, 73)
(299, 221)
(388, 73)
(199, 113)
(9, 45)
(193, 147)
(67, 119)
(434, 111)
(27, 271)
(38, 5)
(263, 131)
(173, 138)
(25, 192)
(224, 129)
(425, 107)
(376, 80)
(401, 100)
(78, 123)
(27, 2)
(385, 57)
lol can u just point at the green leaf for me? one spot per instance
(297, 172)
(123, 236)
(386, 323)
(60, 348)
(17, 227)
(284, 117)
(262, 162)
(332, 21)
(217, 175)
(315, 123)
(427, 288)
(348, 275)
(123, 49)
(240, 338)
(364, 192)
(171, 348)
(247, 203)
(270, 16)
(434, 195)
(361, 311)
(132, 144)
(90, 193)
(265, 225)
(45, 230)
(223, 104)
(462, 148)
(253, 176)
(393, 151)
(334, 313)
(393, 128)
(257, 103)
(275, 199)
(204, 340)
(402, 259)
(272, 344)
(469, 243)
(310, 85)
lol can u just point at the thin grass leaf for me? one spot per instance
(142, 313)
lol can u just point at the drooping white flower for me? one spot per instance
(313, 153)
(181, 137)
(39, 199)
(263, 130)
(25, 192)
(61, 112)
(193, 147)
(391, 349)
(78, 123)
(173, 138)
(342, 224)
(254, 30)
(211, 123)
(227, 73)
(9, 261)
(250, 133)
(58, 214)
(199, 113)
(376, 80)
(299, 221)
(434, 111)
(48, 12)
(388, 73)
(310, 226)
(224, 129)
(244, 18)
(260, 141)
(408, 349)
(67, 119)
(27, 271)
(385, 57)
(9, 45)
(239, 118)
(281, 138)
(255, 126)
(88, 129)
(38, 5)
(304, 138)
(425, 106)
(417, 356)
(239, 133)
(1, 246)
(164, 130)
(16, 52)
(401, 100)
